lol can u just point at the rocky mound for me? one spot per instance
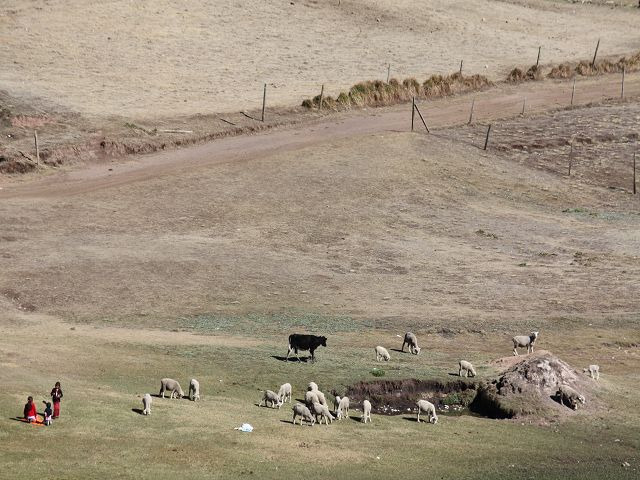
(528, 387)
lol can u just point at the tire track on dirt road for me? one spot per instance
(502, 101)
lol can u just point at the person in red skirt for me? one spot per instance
(56, 396)
(30, 414)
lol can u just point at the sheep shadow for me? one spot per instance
(139, 411)
(398, 350)
(290, 422)
(284, 359)
(356, 419)
(411, 419)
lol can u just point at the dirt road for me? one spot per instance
(499, 102)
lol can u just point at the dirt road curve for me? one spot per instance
(499, 102)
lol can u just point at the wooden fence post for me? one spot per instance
(388, 72)
(524, 105)
(593, 63)
(460, 71)
(573, 91)
(321, 97)
(421, 118)
(473, 103)
(634, 173)
(486, 140)
(264, 100)
(35, 138)
(622, 87)
(538, 60)
(413, 110)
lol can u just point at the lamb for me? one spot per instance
(194, 389)
(382, 353)
(524, 341)
(593, 371)
(321, 398)
(312, 387)
(428, 408)
(168, 384)
(146, 403)
(285, 392)
(322, 411)
(366, 411)
(310, 398)
(569, 397)
(343, 408)
(336, 402)
(411, 340)
(272, 398)
(467, 368)
(303, 412)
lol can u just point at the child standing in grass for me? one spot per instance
(56, 396)
(48, 413)
(30, 413)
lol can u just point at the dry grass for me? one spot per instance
(378, 93)
(587, 69)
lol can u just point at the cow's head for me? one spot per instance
(323, 341)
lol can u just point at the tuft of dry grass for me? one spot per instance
(375, 93)
(587, 69)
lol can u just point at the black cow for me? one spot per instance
(305, 342)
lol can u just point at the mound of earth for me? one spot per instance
(528, 387)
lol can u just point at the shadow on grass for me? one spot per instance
(398, 350)
(291, 359)
(139, 411)
(411, 419)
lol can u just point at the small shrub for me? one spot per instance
(378, 372)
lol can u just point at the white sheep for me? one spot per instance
(322, 411)
(366, 411)
(272, 398)
(382, 354)
(321, 398)
(312, 387)
(467, 368)
(411, 340)
(311, 397)
(524, 341)
(336, 402)
(343, 408)
(168, 384)
(303, 412)
(285, 392)
(593, 371)
(146, 403)
(569, 397)
(194, 389)
(428, 408)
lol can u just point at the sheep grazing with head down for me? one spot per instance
(322, 412)
(569, 397)
(311, 397)
(285, 392)
(271, 399)
(412, 341)
(593, 371)
(146, 403)
(429, 408)
(343, 408)
(194, 389)
(382, 354)
(303, 412)
(466, 368)
(170, 385)
(366, 411)
(522, 341)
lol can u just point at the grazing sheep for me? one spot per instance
(412, 341)
(569, 397)
(167, 384)
(285, 392)
(467, 368)
(322, 411)
(524, 341)
(336, 402)
(382, 353)
(194, 389)
(428, 408)
(343, 408)
(321, 398)
(312, 387)
(146, 403)
(366, 411)
(303, 412)
(310, 398)
(593, 371)
(272, 398)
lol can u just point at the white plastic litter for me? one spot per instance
(245, 428)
